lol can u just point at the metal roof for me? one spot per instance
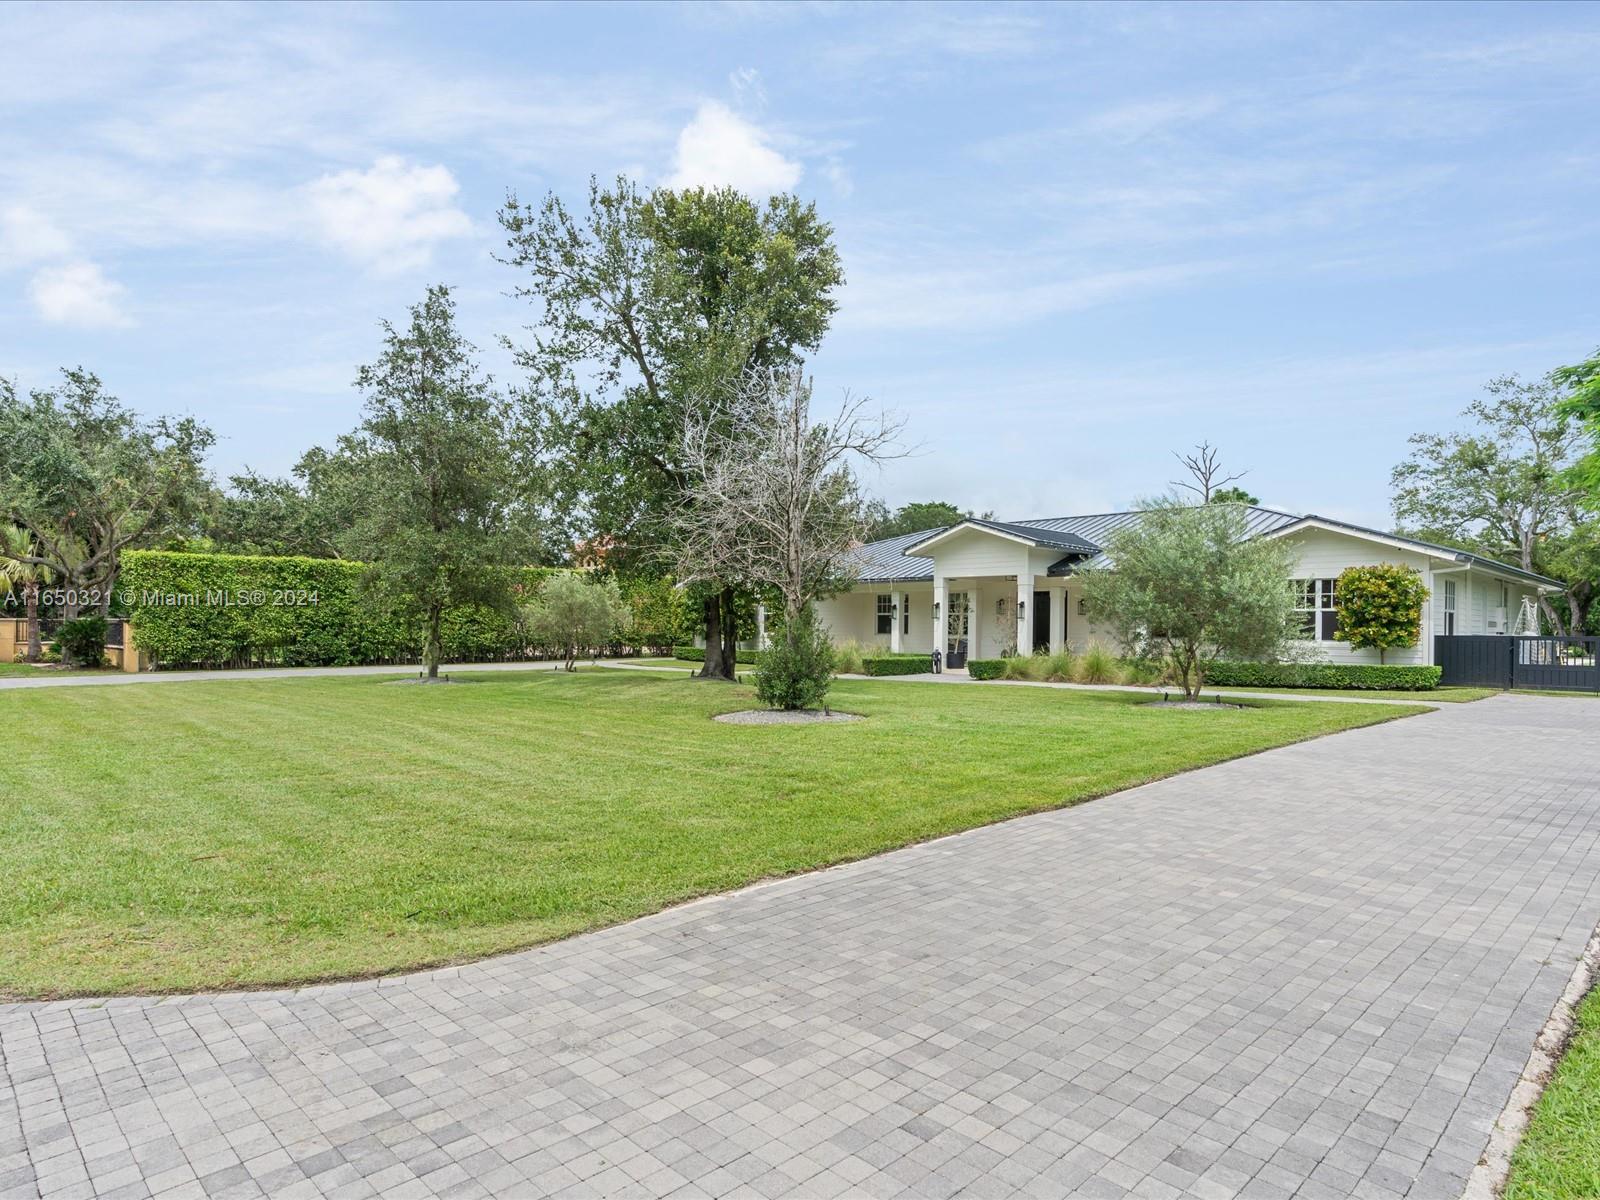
(1050, 538)
(886, 561)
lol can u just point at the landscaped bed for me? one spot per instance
(204, 835)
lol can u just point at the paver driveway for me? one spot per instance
(1313, 972)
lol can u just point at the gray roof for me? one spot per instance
(1083, 536)
(1039, 535)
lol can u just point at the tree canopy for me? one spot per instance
(87, 477)
(441, 512)
(911, 518)
(1189, 586)
(647, 301)
(1506, 488)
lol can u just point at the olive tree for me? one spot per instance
(1188, 585)
(576, 614)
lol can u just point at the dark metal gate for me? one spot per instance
(1560, 663)
(1565, 664)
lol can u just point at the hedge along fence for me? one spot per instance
(239, 609)
(1323, 675)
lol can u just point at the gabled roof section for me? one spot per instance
(1312, 521)
(1031, 535)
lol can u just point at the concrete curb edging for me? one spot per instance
(1488, 1178)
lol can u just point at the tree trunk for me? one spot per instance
(433, 649)
(716, 666)
(31, 593)
(730, 633)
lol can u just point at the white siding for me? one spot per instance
(853, 615)
(973, 553)
(1324, 555)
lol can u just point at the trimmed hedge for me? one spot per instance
(896, 664)
(245, 609)
(986, 668)
(697, 654)
(1323, 675)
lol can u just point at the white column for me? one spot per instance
(897, 601)
(761, 627)
(1024, 612)
(939, 615)
(1058, 619)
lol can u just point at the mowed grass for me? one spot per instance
(1559, 1158)
(209, 835)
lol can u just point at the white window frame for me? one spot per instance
(1313, 597)
(1449, 603)
(884, 625)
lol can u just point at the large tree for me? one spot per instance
(442, 512)
(88, 478)
(773, 501)
(647, 301)
(1582, 404)
(1188, 586)
(307, 514)
(911, 518)
(1505, 489)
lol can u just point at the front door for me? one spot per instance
(1041, 621)
(957, 627)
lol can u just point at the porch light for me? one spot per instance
(1022, 609)
(935, 610)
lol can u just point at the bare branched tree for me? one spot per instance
(773, 500)
(1205, 467)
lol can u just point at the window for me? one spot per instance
(905, 620)
(885, 613)
(1449, 607)
(1317, 603)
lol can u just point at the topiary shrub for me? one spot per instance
(798, 669)
(1323, 675)
(986, 668)
(82, 641)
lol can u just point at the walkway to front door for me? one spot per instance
(1315, 971)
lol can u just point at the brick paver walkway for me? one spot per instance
(1313, 972)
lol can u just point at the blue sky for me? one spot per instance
(1076, 237)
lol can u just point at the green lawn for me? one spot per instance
(12, 670)
(203, 835)
(1559, 1159)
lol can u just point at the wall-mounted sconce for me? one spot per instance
(1022, 609)
(935, 610)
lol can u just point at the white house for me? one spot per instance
(957, 589)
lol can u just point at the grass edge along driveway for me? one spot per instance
(247, 834)
(1559, 1155)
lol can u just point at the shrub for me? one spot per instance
(1380, 607)
(1323, 675)
(1097, 664)
(903, 663)
(847, 658)
(83, 641)
(797, 670)
(1057, 667)
(750, 658)
(986, 668)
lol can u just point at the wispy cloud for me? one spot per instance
(79, 294)
(390, 216)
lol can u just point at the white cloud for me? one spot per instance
(27, 236)
(78, 293)
(390, 216)
(718, 148)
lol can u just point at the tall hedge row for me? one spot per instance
(237, 609)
